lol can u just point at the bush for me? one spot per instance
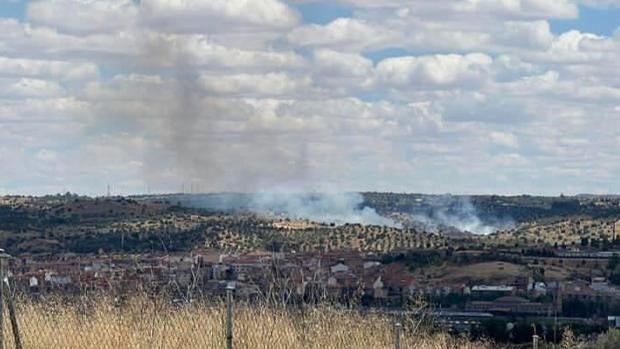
(609, 340)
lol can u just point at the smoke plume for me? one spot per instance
(457, 212)
(200, 139)
(335, 208)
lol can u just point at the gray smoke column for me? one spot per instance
(207, 141)
(456, 212)
(338, 208)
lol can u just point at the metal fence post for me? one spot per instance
(8, 298)
(3, 257)
(397, 332)
(535, 341)
(5, 296)
(229, 315)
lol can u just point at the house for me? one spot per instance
(342, 285)
(603, 289)
(490, 291)
(248, 271)
(33, 284)
(371, 264)
(57, 280)
(460, 289)
(339, 268)
(94, 266)
(539, 289)
(222, 272)
(378, 289)
(613, 321)
(577, 289)
(397, 279)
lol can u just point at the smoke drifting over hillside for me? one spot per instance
(338, 208)
(432, 213)
(457, 212)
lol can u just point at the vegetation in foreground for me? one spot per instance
(143, 322)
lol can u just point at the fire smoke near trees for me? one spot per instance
(438, 212)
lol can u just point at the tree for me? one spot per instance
(614, 269)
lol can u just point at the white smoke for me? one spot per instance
(338, 208)
(325, 207)
(456, 212)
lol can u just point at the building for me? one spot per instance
(604, 290)
(340, 268)
(613, 321)
(461, 321)
(488, 291)
(511, 305)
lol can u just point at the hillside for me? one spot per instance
(493, 208)
(69, 223)
(577, 231)
(90, 225)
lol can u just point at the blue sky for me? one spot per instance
(597, 20)
(323, 13)
(601, 21)
(15, 9)
(460, 96)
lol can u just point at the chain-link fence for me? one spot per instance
(146, 322)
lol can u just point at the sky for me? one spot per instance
(442, 96)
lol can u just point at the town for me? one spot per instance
(466, 283)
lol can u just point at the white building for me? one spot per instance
(339, 268)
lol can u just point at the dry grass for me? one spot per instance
(141, 323)
(488, 272)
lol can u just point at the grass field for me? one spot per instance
(142, 323)
(146, 323)
(489, 272)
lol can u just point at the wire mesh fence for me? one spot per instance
(147, 322)
(118, 320)
(172, 314)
